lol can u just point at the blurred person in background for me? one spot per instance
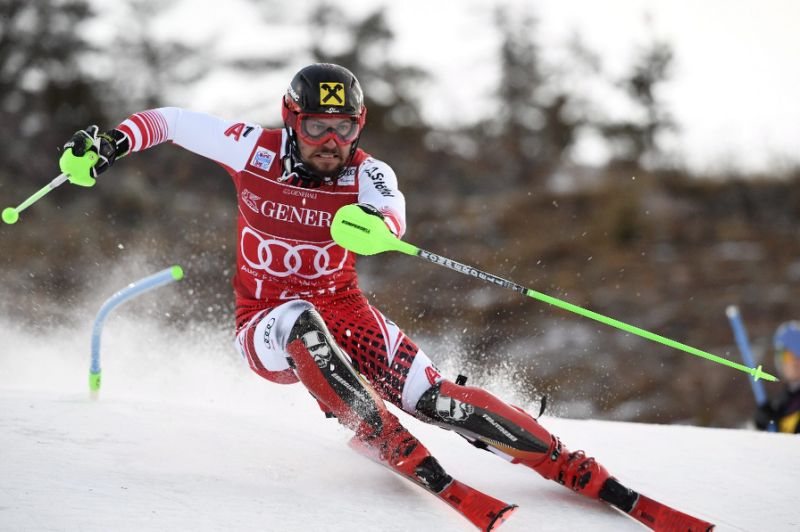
(784, 410)
(300, 315)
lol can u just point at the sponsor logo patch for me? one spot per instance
(348, 177)
(263, 158)
(250, 199)
(379, 181)
(432, 375)
(267, 331)
(331, 93)
(318, 347)
(449, 408)
(281, 259)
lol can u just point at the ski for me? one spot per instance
(652, 514)
(482, 510)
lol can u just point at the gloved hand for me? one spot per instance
(90, 153)
(764, 415)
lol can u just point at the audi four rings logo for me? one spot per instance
(281, 259)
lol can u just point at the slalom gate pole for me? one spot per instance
(740, 333)
(366, 234)
(175, 273)
(11, 214)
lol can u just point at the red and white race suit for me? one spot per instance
(285, 251)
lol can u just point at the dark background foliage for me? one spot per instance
(640, 239)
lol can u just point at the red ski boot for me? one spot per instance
(575, 470)
(585, 476)
(395, 445)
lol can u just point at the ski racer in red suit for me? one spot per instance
(300, 315)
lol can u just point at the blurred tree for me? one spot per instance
(534, 126)
(148, 67)
(519, 119)
(634, 139)
(394, 120)
(166, 205)
(44, 89)
(392, 87)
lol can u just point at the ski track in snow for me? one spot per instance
(184, 437)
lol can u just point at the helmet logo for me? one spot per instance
(331, 93)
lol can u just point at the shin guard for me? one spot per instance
(510, 432)
(480, 416)
(325, 370)
(327, 373)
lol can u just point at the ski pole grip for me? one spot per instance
(78, 167)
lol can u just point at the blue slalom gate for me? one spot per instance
(174, 273)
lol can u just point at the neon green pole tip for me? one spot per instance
(10, 215)
(94, 381)
(177, 272)
(759, 374)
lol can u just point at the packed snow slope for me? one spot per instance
(183, 437)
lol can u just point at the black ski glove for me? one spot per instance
(109, 146)
(764, 415)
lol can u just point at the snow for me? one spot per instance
(184, 437)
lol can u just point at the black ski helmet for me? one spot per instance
(323, 89)
(320, 89)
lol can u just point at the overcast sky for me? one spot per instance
(735, 79)
(736, 76)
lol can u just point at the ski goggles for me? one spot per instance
(319, 129)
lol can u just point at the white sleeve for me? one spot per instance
(227, 142)
(377, 186)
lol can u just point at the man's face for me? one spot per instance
(326, 159)
(325, 141)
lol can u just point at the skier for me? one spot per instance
(300, 315)
(784, 411)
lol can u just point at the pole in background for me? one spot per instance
(740, 333)
(175, 273)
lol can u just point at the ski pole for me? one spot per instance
(11, 214)
(365, 234)
(175, 273)
(740, 333)
(74, 169)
